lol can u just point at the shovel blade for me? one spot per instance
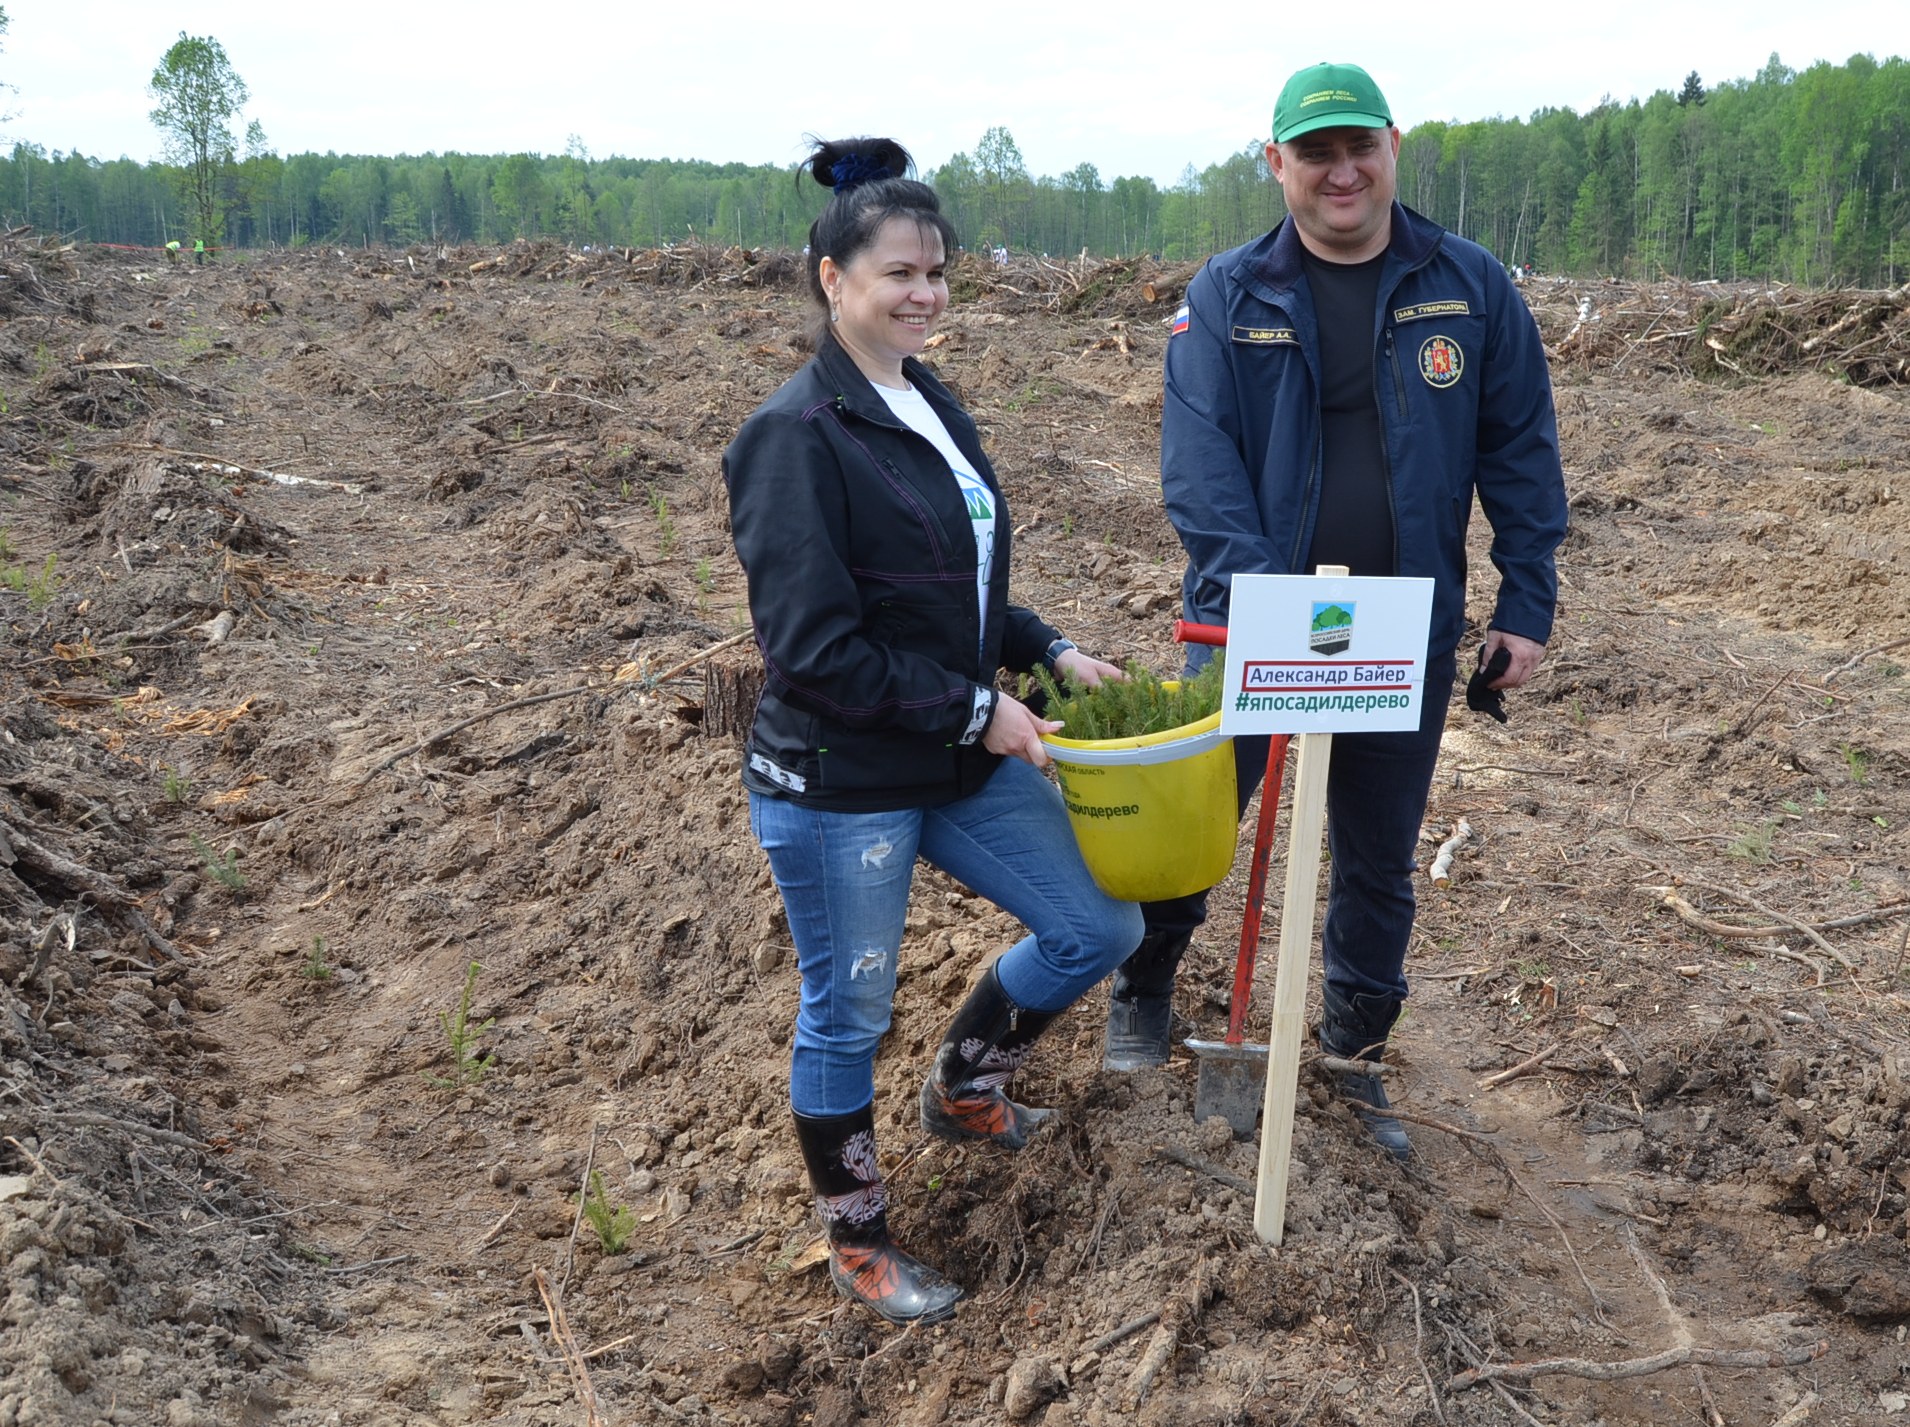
(1231, 1083)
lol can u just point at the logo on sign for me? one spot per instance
(1332, 630)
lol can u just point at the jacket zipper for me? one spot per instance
(1311, 504)
(1399, 378)
(1385, 457)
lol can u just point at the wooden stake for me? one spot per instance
(1289, 987)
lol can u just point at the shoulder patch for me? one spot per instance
(1266, 336)
(1441, 362)
(1452, 307)
(1180, 322)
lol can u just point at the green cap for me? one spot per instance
(1329, 96)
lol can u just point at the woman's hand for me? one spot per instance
(1015, 732)
(1085, 671)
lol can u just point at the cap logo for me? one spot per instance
(1441, 362)
(1327, 96)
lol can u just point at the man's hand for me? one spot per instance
(1525, 654)
(1015, 732)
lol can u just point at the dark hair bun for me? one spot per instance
(843, 164)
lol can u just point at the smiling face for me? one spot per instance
(1339, 186)
(887, 297)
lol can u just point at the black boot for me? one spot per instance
(1141, 1003)
(864, 1263)
(983, 1047)
(1355, 1028)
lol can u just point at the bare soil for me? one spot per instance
(369, 650)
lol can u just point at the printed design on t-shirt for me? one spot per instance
(979, 501)
(1441, 362)
(1266, 336)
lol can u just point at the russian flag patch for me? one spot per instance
(1180, 322)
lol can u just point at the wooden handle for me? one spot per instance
(1290, 978)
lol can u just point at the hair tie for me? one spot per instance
(853, 170)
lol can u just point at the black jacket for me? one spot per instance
(861, 564)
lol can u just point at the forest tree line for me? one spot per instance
(1802, 177)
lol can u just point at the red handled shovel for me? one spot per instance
(1233, 1071)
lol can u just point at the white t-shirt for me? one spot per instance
(911, 407)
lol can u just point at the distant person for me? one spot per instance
(172, 251)
(875, 542)
(199, 251)
(1337, 393)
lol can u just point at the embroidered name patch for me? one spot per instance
(1454, 307)
(1266, 336)
(1441, 362)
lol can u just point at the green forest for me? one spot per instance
(1795, 176)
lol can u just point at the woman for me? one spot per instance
(871, 529)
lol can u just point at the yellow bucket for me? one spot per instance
(1156, 816)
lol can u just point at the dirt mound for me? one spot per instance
(378, 878)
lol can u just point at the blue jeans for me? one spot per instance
(1376, 791)
(844, 879)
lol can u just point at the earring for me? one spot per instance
(835, 313)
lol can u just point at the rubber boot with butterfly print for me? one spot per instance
(984, 1046)
(864, 1263)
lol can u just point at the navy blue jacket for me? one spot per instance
(1465, 404)
(880, 658)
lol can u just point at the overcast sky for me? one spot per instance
(1130, 88)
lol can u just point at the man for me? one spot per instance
(1336, 393)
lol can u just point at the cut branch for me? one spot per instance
(567, 1346)
(1449, 849)
(1178, 1317)
(1524, 1067)
(1638, 1367)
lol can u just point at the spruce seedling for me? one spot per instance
(614, 1223)
(316, 968)
(1136, 705)
(463, 1038)
(176, 786)
(223, 870)
(39, 589)
(666, 527)
(1856, 761)
(1754, 843)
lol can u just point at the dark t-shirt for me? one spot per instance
(1355, 524)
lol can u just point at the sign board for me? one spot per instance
(1325, 654)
